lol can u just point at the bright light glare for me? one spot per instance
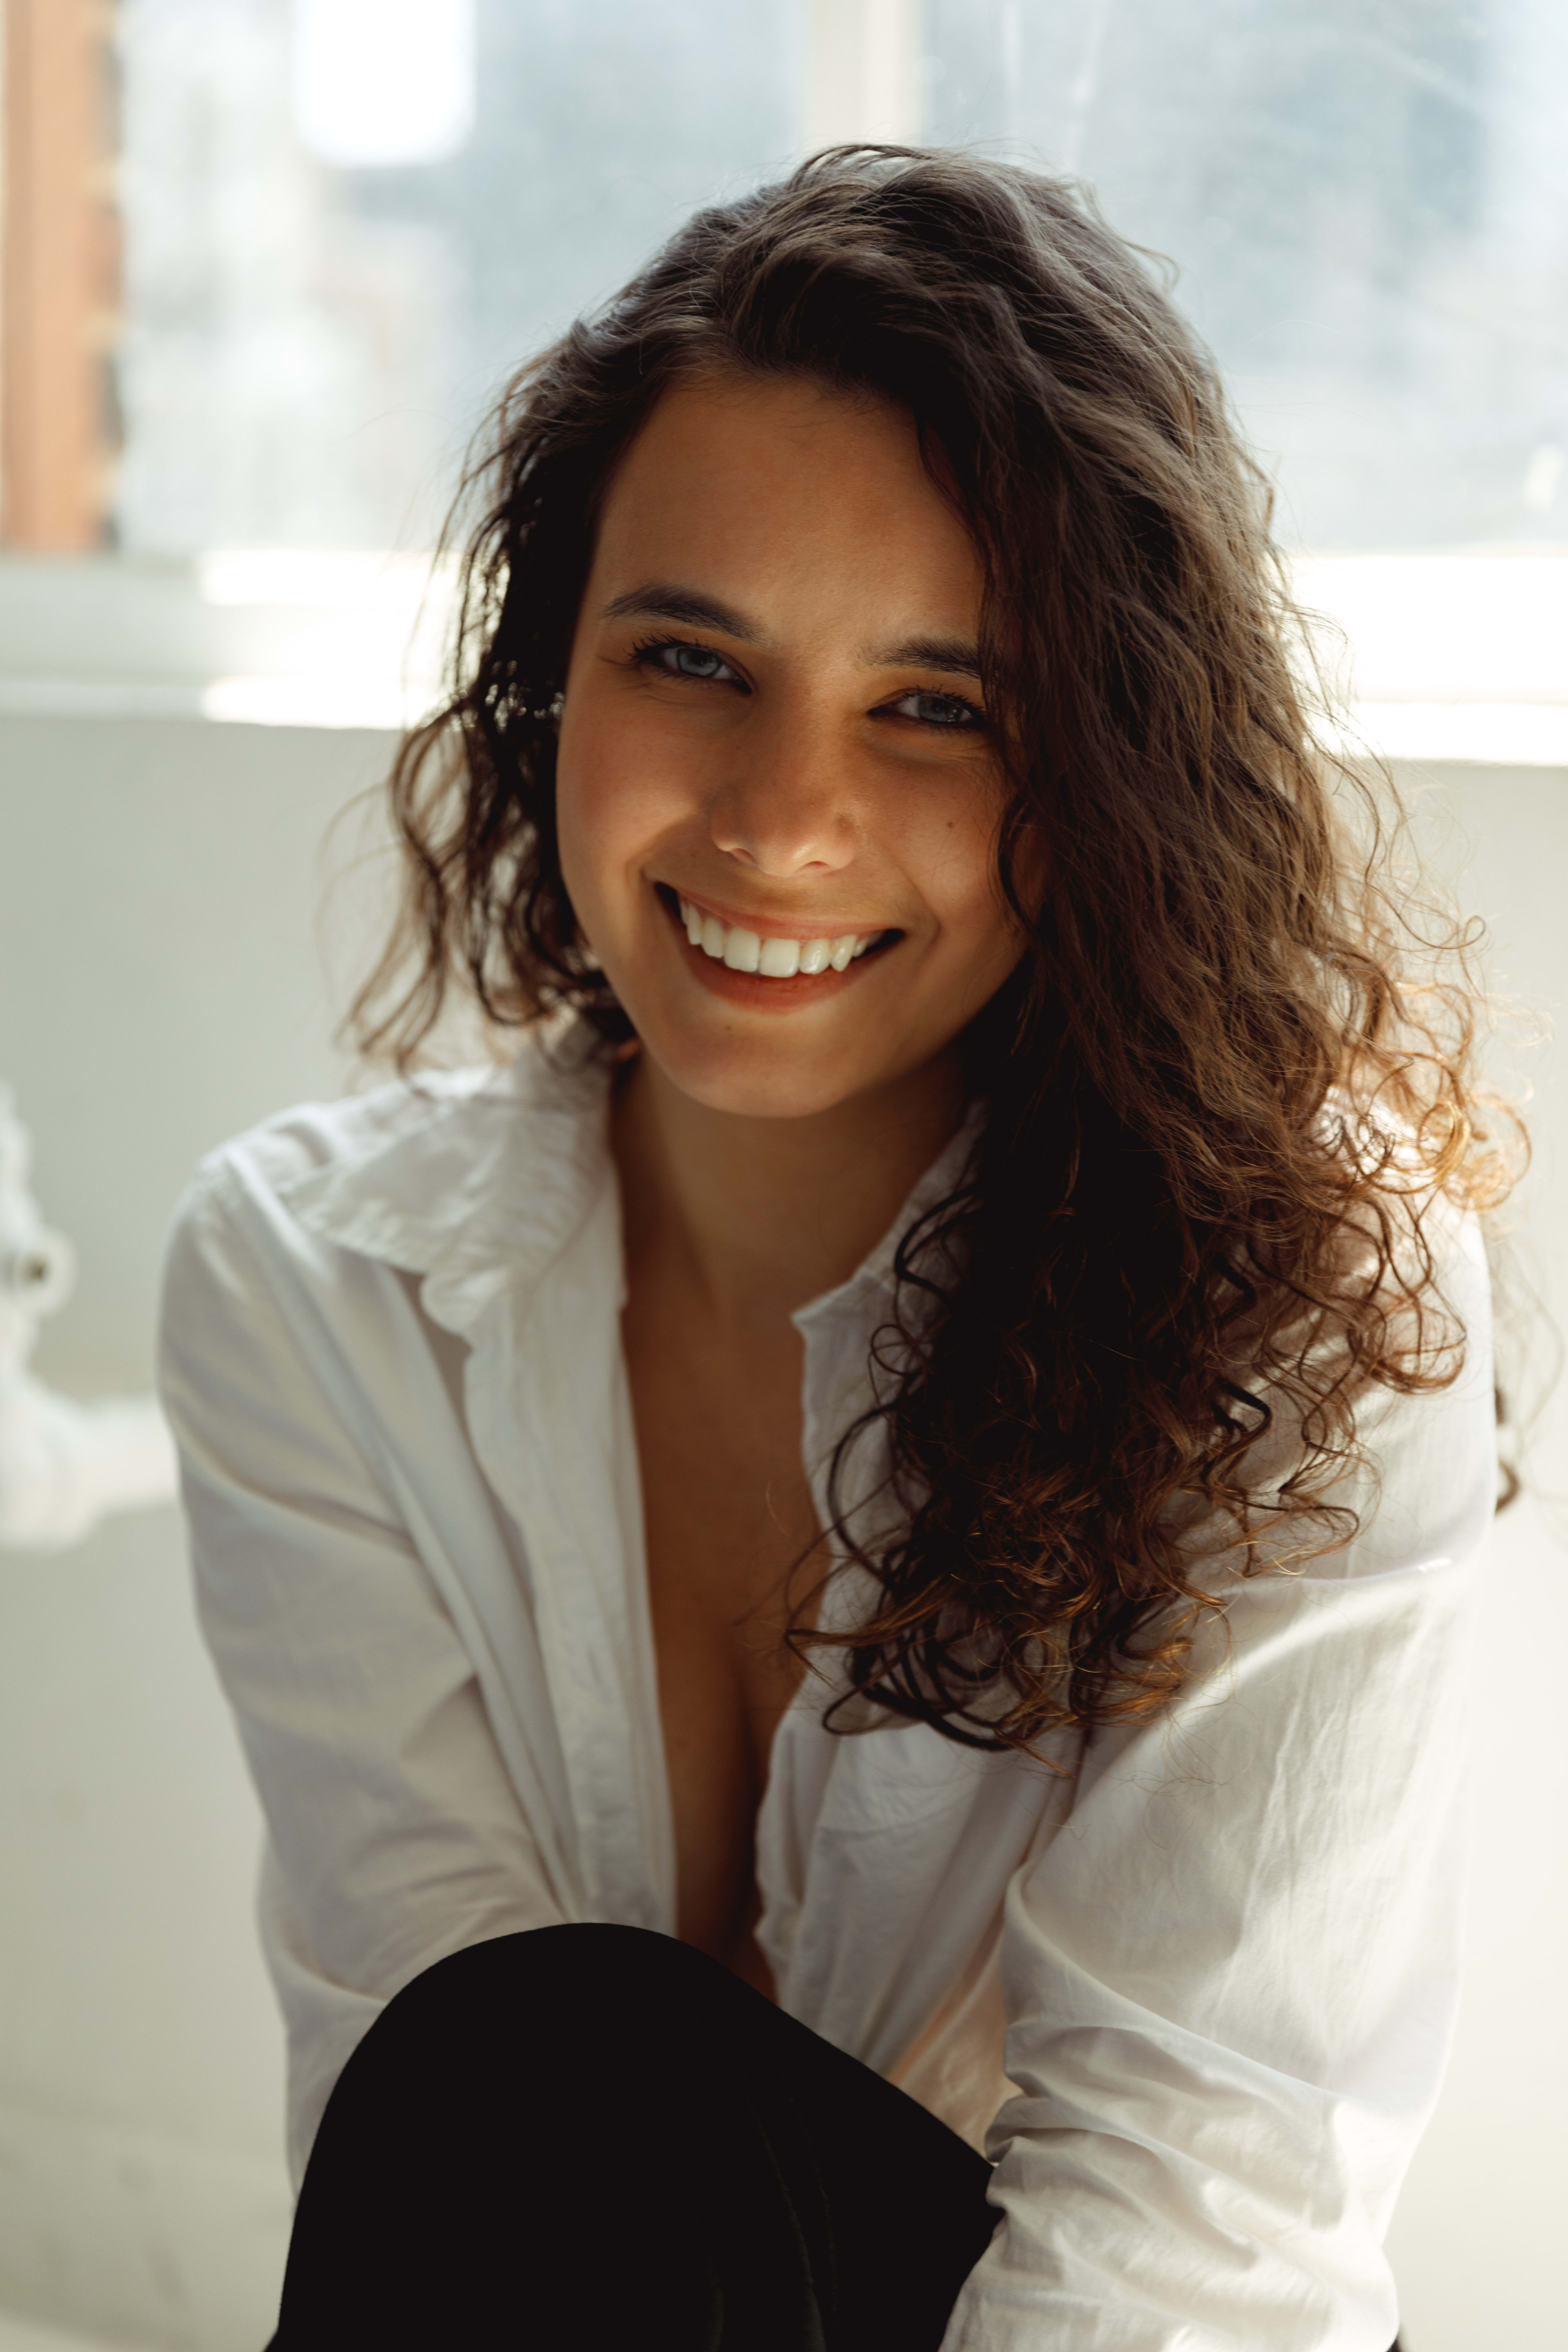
(383, 81)
(328, 578)
(1439, 629)
(1458, 658)
(1492, 734)
(379, 704)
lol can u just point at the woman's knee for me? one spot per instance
(505, 2031)
(562, 1985)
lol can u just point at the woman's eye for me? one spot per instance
(678, 659)
(937, 709)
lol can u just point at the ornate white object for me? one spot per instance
(62, 1463)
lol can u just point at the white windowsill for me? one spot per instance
(1451, 658)
(1477, 734)
(1498, 734)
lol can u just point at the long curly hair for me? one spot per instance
(1227, 1084)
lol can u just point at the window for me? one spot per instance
(349, 220)
(345, 222)
(1368, 203)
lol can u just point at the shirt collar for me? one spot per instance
(476, 1179)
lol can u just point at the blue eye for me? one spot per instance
(949, 710)
(678, 657)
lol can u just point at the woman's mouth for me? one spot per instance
(774, 957)
(769, 956)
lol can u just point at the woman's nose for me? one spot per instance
(787, 805)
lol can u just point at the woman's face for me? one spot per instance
(778, 794)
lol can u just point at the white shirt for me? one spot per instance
(1220, 1945)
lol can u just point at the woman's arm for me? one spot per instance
(1231, 1977)
(395, 1833)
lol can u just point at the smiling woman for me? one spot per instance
(803, 772)
(873, 1537)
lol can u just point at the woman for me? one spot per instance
(847, 1582)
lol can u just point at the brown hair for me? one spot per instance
(1220, 1108)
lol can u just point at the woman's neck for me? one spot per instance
(759, 1216)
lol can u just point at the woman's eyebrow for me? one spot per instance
(661, 600)
(956, 656)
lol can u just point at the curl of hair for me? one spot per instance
(1222, 1097)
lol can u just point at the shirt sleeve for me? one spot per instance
(1230, 1978)
(395, 1834)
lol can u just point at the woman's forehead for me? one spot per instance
(788, 485)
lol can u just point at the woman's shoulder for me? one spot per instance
(240, 1236)
(1390, 1407)
(402, 1140)
(319, 1137)
(480, 1164)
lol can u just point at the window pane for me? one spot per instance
(1368, 203)
(311, 335)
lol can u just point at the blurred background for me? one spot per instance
(263, 265)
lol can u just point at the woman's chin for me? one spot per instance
(769, 1077)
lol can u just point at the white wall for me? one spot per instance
(1478, 2238)
(162, 984)
(164, 981)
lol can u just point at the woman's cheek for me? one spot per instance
(624, 787)
(957, 856)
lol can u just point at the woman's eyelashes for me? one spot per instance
(946, 710)
(680, 657)
(684, 658)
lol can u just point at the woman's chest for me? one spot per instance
(729, 1527)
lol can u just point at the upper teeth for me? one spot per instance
(776, 959)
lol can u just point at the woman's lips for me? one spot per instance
(768, 968)
(771, 954)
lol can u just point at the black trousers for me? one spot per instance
(591, 2139)
(587, 2140)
